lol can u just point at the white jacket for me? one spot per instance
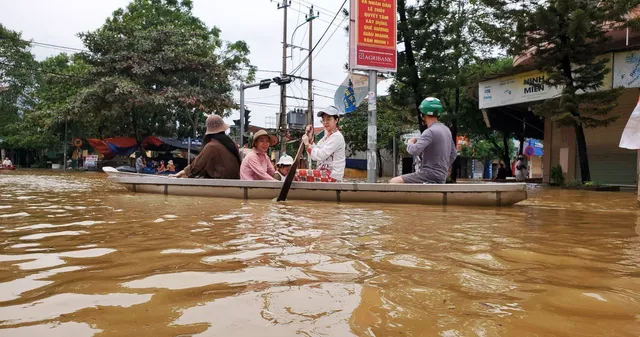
(330, 154)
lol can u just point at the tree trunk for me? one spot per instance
(454, 122)
(414, 79)
(134, 124)
(521, 148)
(194, 126)
(454, 134)
(582, 153)
(581, 141)
(505, 154)
(456, 162)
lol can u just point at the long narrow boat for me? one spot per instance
(7, 168)
(483, 194)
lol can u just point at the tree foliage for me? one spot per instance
(17, 79)
(156, 66)
(391, 121)
(565, 38)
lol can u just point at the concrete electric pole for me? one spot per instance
(283, 89)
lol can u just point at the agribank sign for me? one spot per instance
(373, 35)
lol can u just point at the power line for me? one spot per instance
(280, 72)
(49, 45)
(325, 82)
(325, 43)
(315, 6)
(325, 21)
(324, 96)
(262, 97)
(53, 46)
(323, 89)
(264, 71)
(52, 73)
(263, 103)
(321, 37)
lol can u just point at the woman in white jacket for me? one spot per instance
(329, 152)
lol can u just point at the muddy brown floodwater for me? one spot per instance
(81, 256)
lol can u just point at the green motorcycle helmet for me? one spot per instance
(431, 106)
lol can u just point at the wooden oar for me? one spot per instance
(292, 172)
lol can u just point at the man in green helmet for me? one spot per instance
(435, 145)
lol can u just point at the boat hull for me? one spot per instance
(502, 194)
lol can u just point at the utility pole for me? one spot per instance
(264, 84)
(372, 132)
(242, 108)
(283, 89)
(310, 18)
(64, 165)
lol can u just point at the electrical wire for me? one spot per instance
(321, 37)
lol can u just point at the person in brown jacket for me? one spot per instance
(219, 157)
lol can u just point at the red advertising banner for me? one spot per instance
(374, 38)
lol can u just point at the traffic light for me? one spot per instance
(245, 139)
(264, 84)
(282, 80)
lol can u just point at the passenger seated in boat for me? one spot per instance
(139, 163)
(502, 173)
(7, 162)
(170, 167)
(521, 169)
(283, 166)
(219, 157)
(329, 152)
(256, 164)
(435, 145)
(161, 168)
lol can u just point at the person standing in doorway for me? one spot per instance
(521, 169)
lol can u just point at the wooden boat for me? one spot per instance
(482, 194)
(7, 168)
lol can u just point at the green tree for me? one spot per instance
(17, 79)
(391, 121)
(42, 123)
(565, 38)
(61, 78)
(156, 65)
(469, 118)
(487, 147)
(441, 39)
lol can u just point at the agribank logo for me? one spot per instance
(374, 58)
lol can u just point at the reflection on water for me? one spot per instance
(81, 256)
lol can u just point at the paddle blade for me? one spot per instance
(292, 172)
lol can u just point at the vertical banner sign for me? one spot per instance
(373, 38)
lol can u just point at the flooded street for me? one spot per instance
(82, 256)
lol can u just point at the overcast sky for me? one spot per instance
(258, 22)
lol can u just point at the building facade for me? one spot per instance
(505, 101)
